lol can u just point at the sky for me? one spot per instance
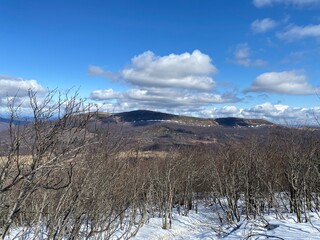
(206, 58)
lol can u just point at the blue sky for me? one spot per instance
(248, 58)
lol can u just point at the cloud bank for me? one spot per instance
(278, 113)
(181, 81)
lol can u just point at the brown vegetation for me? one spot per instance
(78, 185)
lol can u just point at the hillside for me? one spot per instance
(157, 131)
(145, 117)
(161, 131)
(4, 124)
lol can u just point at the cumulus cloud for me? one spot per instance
(277, 113)
(186, 71)
(287, 82)
(10, 86)
(159, 98)
(263, 25)
(17, 88)
(298, 32)
(268, 108)
(105, 94)
(242, 56)
(282, 113)
(295, 3)
(176, 81)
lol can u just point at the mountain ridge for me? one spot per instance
(143, 116)
(146, 117)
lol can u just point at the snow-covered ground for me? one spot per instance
(205, 225)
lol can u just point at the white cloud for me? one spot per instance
(19, 87)
(287, 82)
(263, 25)
(229, 110)
(164, 83)
(159, 98)
(299, 32)
(156, 96)
(184, 71)
(105, 94)
(282, 113)
(98, 71)
(295, 3)
(277, 113)
(269, 108)
(242, 56)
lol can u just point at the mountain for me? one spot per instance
(3, 126)
(242, 122)
(5, 123)
(145, 117)
(157, 131)
(162, 131)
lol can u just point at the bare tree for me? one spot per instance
(54, 136)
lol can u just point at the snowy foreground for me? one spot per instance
(205, 225)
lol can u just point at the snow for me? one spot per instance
(205, 225)
(174, 121)
(194, 226)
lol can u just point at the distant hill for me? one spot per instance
(145, 117)
(4, 120)
(242, 122)
(162, 131)
(3, 126)
(157, 131)
(5, 123)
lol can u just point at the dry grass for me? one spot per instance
(22, 158)
(143, 154)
